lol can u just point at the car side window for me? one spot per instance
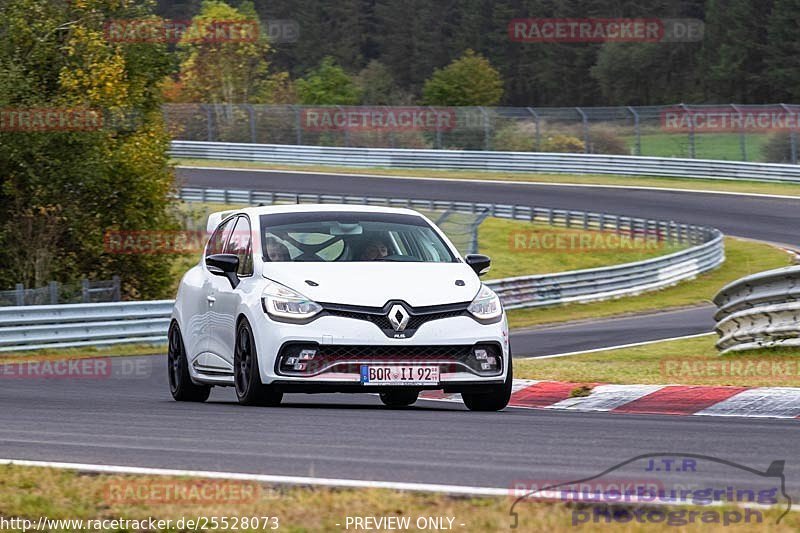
(240, 245)
(218, 239)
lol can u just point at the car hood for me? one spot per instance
(374, 284)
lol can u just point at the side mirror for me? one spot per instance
(224, 265)
(479, 263)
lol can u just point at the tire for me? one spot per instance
(494, 400)
(180, 382)
(399, 398)
(246, 376)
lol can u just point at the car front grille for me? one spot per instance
(380, 315)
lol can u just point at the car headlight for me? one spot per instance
(486, 305)
(280, 301)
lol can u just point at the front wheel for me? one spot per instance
(399, 398)
(247, 379)
(180, 382)
(494, 400)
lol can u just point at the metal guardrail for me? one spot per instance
(32, 327)
(760, 311)
(617, 165)
(71, 325)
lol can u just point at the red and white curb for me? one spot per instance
(761, 402)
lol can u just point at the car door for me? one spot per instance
(216, 245)
(226, 297)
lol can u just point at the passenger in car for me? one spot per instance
(276, 250)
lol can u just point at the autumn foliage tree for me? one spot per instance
(233, 69)
(63, 188)
(468, 81)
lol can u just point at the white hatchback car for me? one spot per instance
(337, 298)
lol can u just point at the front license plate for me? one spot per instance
(399, 375)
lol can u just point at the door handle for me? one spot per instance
(211, 300)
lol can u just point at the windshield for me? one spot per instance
(351, 237)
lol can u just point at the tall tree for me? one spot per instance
(783, 50)
(468, 81)
(734, 52)
(229, 70)
(63, 188)
(328, 84)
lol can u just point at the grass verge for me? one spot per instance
(746, 187)
(58, 494)
(58, 354)
(743, 258)
(692, 361)
(521, 248)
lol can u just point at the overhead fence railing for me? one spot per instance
(23, 328)
(760, 311)
(487, 161)
(760, 133)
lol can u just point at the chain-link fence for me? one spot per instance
(766, 133)
(84, 291)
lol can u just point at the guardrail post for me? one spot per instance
(585, 120)
(298, 130)
(742, 137)
(209, 122)
(252, 116)
(637, 131)
(692, 148)
(85, 290)
(486, 129)
(53, 287)
(537, 125)
(792, 138)
(438, 130)
(117, 289)
(19, 293)
(346, 129)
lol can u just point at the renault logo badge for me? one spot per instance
(398, 317)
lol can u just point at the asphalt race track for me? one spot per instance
(769, 219)
(582, 336)
(130, 419)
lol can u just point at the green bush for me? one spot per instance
(562, 144)
(606, 140)
(516, 137)
(778, 149)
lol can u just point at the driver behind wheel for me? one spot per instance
(374, 249)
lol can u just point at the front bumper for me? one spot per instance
(345, 344)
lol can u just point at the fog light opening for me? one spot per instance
(299, 358)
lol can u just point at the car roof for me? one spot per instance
(316, 208)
